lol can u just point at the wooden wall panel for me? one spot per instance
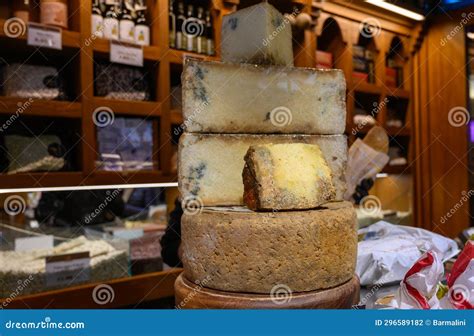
(440, 147)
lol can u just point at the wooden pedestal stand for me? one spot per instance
(189, 296)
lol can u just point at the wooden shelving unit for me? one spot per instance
(176, 116)
(126, 107)
(363, 87)
(338, 30)
(41, 179)
(42, 108)
(162, 64)
(397, 92)
(398, 170)
(177, 56)
(150, 53)
(70, 39)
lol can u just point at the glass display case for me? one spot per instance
(61, 239)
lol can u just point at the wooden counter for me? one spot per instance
(125, 292)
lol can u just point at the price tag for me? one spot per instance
(67, 269)
(34, 243)
(126, 53)
(128, 234)
(44, 36)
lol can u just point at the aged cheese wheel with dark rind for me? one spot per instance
(235, 249)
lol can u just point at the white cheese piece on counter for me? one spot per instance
(210, 166)
(232, 98)
(258, 34)
(29, 268)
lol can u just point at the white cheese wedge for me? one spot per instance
(210, 166)
(231, 98)
(258, 34)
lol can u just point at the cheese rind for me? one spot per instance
(243, 98)
(238, 250)
(210, 165)
(258, 34)
(286, 177)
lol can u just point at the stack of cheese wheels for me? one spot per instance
(256, 97)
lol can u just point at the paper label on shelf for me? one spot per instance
(128, 233)
(126, 53)
(34, 224)
(44, 36)
(34, 243)
(67, 269)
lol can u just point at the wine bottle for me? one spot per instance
(97, 19)
(209, 35)
(142, 28)
(126, 22)
(189, 29)
(111, 23)
(200, 38)
(172, 25)
(180, 19)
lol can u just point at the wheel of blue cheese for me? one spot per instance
(245, 98)
(210, 166)
(238, 250)
(258, 34)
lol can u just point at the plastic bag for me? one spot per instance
(388, 251)
(363, 162)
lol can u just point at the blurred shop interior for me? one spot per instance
(88, 146)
